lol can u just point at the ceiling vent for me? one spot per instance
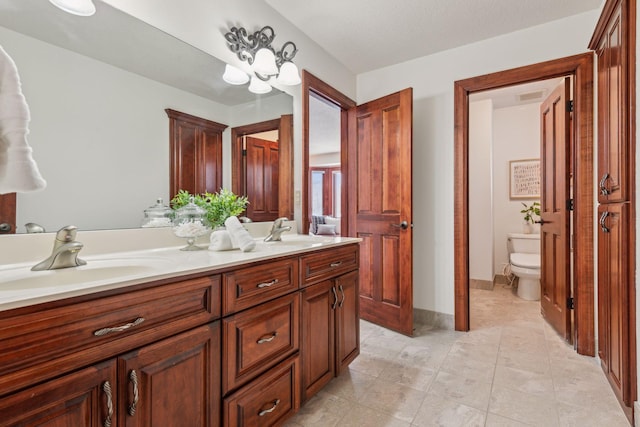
(531, 96)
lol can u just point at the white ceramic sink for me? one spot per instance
(95, 270)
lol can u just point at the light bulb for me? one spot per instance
(288, 74)
(258, 86)
(234, 76)
(265, 63)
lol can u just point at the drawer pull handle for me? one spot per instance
(133, 377)
(335, 298)
(343, 296)
(268, 338)
(105, 331)
(106, 387)
(267, 284)
(336, 264)
(603, 188)
(270, 410)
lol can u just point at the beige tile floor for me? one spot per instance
(511, 369)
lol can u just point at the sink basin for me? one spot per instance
(293, 242)
(96, 270)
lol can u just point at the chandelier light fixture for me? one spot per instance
(265, 60)
(76, 7)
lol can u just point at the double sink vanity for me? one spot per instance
(153, 336)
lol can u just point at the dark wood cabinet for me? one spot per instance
(614, 43)
(330, 325)
(173, 382)
(86, 398)
(195, 146)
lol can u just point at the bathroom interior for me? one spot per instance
(115, 96)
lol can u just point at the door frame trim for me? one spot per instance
(311, 85)
(581, 68)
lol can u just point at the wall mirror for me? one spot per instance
(97, 88)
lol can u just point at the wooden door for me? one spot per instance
(85, 398)
(613, 150)
(380, 208)
(347, 321)
(195, 153)
(175, 382)
(318, 337)
(8, 213)
(555, 279)
(613, 297)
(262, 165)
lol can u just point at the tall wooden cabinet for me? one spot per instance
(614, 44)
(195, 153)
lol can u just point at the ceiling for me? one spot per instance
(369, 34)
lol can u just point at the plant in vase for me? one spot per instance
(531, 212)
(218, 206)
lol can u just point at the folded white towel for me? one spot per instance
(240, 237)
(18, 170)
(221, 241)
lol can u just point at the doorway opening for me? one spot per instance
(580, 68)
(505, 191)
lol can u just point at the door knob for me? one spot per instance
(542, 222)
(404, 225)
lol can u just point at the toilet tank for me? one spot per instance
(523, 243)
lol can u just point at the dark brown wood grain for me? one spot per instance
(8, 212)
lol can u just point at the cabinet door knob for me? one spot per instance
(267, 284)
(106, 388)
(603, 224)
(603, 189)
(267, 338)
(5, 227)
(133, 378)
(268, 411)
(335, 298)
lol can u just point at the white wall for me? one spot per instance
(432, 78)
(100, 136)
(480, 190)
(516, 133)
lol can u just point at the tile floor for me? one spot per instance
(511, 369)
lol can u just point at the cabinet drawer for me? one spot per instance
(329, 263)
(257, 339)
(267, 401)
(54, 341)
(251, 286)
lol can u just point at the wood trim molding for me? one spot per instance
(311, 85)
(581, 68)
(198, 121)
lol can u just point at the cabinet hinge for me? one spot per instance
(244, 152)
(570, 304)
(570, 204)
(570, 106)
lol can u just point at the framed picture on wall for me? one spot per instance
(524, 179)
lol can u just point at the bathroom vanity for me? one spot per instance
(196, 339)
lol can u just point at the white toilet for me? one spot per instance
(524, 257)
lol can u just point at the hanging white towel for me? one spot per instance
(221, 241)
(18, 171)
(240, 237)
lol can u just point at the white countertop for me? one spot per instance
(19, 286)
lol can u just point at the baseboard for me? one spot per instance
(433, 319)
(487, 285)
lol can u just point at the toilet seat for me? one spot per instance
(525, 260)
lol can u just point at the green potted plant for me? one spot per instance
(531, 212)
(219, 206)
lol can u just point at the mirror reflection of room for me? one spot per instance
(325, 174)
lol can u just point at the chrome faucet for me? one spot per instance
(275, 235)
(65, 251)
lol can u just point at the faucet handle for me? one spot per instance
(67, 233)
